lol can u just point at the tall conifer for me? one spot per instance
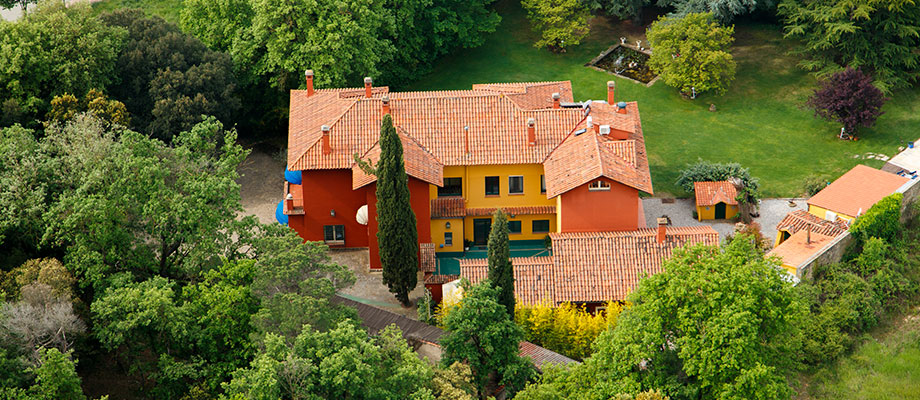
(397, 234)
(501, 272)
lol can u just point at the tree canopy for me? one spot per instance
(481, 333)
(715, 324)
(560, 23)
(397, 234)
(877, 36)
(55, 50)
(501, 271)
(169, 79)
(849, 98)
(691, 53)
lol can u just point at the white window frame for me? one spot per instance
(598, 185)
(830, 215)
(542, 184)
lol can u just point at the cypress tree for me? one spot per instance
(397, 235)
(501, 272)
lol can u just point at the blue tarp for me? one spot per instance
(294, 177)
(279, 213)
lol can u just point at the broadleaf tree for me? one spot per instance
(691, 53)
(481, 334)
(501, 271)
(397, 233)
(560, 23)
(715, 324)
(850, 98)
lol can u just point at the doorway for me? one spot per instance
(720, 211)
(481, 228)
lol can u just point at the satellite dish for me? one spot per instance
(361, 216)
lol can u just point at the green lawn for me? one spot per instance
(883, 367)
(166, 9)
(760, 123)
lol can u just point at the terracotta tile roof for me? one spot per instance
(448, 207)
(533, 277)
(593, 266)
(420, 164)
(428, 261)
(799, 220)
(712, 193)
(588, 156)
(794, 251)
(440, 279)
(483, 126)
(604, 266)
(523, 210)
(540, 356)
(857, 190)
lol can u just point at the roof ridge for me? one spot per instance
(336, 119)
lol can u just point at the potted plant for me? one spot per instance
(466, 244)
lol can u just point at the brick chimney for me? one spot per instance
(309, 75)
(289, 202)
(368, 83)
(556, 97)
(327, 147)
(531, 131)
(611, 87)
(662, 229)
(386, 104)
(621, 107)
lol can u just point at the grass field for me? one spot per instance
(886, 366)
(166, 9)
(760, 123)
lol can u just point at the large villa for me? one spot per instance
(570, 171)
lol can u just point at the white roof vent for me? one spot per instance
(605, 129)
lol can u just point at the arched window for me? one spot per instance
(599, 185)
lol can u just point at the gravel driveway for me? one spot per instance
(772, 211)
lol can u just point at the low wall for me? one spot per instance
(834, 250)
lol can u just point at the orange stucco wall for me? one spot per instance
(418, 199)
(584, 210)
(324, 191)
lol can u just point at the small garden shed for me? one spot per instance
(715, 200)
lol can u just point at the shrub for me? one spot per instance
(882, 220)
(706, 171)
(813, 184)
(567, 329)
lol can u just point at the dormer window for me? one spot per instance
(599, 185)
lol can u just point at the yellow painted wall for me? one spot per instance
(710, 212)
(474, 185)
(439, 226)
(791, 269)
(822, 213)
(526, 226)
(558, 213)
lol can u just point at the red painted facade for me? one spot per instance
(327, 190)
(418, 199)
(586, 210)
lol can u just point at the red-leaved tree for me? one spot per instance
(849, 98)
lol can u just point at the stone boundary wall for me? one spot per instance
(833, 251)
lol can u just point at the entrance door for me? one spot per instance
(720, 211)
(481, 228)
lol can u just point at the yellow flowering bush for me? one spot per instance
(567, 329)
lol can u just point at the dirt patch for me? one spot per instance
(369, 287)
(261, 183)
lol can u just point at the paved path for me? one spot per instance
(681, 213)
